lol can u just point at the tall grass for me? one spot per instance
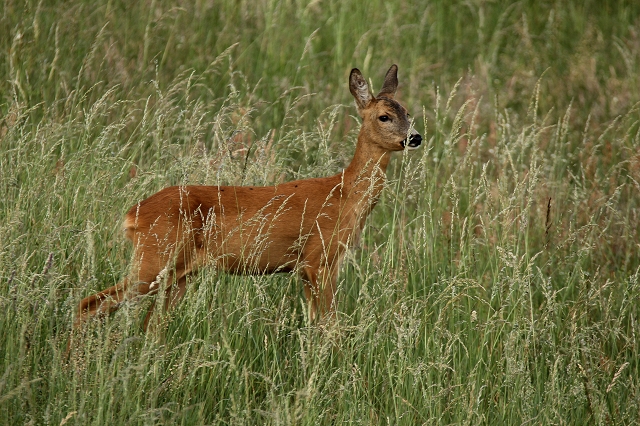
(496, 282)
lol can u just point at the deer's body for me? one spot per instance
(303, 226)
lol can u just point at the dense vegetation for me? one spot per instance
(497, 281)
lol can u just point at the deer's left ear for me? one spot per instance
(360, 90)
(390, 83)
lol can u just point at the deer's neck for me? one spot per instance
(365, 176)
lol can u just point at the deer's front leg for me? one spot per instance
(320, 289)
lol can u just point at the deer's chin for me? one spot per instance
(409, 146)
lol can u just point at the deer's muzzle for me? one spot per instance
(413, 141)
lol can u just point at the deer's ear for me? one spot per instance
(360, 90)
(390, 82)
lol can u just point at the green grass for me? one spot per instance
(497, 281)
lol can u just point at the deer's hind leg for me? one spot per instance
(176, 284)
(107, 301)
(103, 302)
(173, 295)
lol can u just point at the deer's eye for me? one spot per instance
(383, 118)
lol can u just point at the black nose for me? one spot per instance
(414, 140)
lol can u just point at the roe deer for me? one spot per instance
(302, 226)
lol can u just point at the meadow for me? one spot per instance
(497, 281)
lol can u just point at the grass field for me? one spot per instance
(497, 281)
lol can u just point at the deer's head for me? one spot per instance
(385, 122)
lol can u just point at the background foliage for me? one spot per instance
(496, 282)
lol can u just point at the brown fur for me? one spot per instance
(303, 226)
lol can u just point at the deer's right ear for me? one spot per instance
(359, 89)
